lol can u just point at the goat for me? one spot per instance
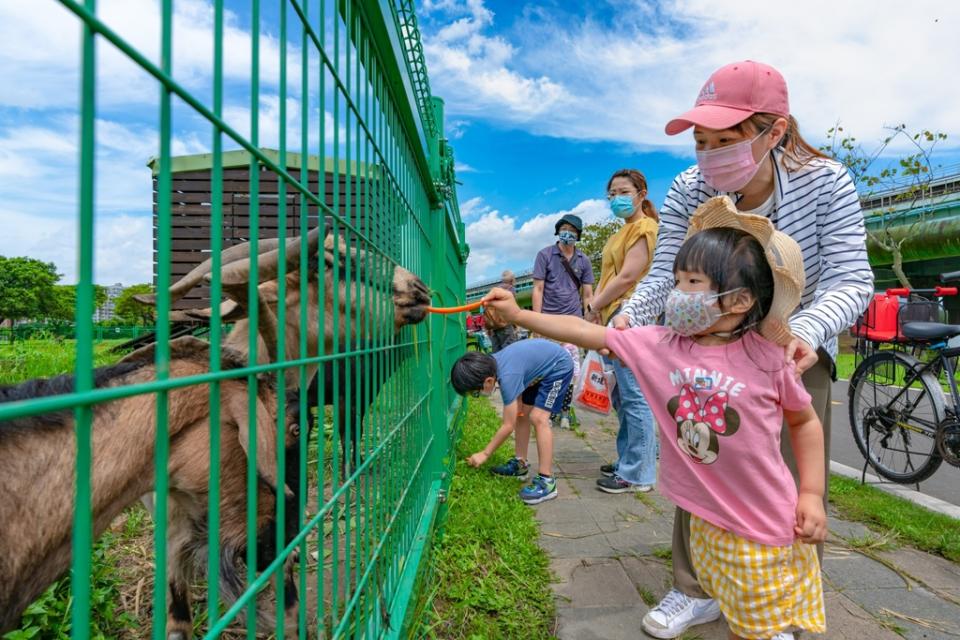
(37, 470)
(359, 287)
(410, 298)
(410, 295)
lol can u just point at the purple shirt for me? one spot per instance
(560, 295)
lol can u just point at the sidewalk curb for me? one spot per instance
(899, 490)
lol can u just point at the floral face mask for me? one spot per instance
(691, 313)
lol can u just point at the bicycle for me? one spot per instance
(903, 423)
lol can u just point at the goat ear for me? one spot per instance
(230, 311)
(181, 316)
(266, 427)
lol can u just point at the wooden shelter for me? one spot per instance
(191, 197)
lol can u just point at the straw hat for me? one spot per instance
(783, 254)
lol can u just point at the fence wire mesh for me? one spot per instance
(296, 454)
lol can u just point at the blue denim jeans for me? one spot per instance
(637, 437)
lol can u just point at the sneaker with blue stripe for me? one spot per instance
(540, 490)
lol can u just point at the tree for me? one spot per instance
(907, 181)
(62, 304)
(131, 311)
(26, 286)
(593, 239)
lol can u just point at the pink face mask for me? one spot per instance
(730, 168)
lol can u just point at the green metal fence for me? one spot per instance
(365, 522)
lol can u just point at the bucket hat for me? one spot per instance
(572, 220)
(782, 252)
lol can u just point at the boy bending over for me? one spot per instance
(533, 376)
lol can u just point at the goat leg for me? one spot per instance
(291, 599)
(179, 625)
(179, 541)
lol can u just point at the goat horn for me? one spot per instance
(238, 272)
(228, 256)
(267, 327)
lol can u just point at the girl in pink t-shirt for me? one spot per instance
(717, 382)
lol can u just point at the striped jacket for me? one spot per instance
(818, 206)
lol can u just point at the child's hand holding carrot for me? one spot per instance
(503, 302)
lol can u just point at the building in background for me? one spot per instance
(105, 311)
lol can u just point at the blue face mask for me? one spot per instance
(622, 206)
(567, 237)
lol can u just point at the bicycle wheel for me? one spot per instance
(894, 416)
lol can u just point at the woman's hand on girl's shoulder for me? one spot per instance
(801, 353)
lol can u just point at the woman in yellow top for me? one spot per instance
(626, 260)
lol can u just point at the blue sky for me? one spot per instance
(543, 101)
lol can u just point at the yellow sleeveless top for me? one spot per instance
(615, 251)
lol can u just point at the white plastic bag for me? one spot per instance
(592, 391)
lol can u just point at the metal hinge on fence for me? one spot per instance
(445, 190)
(442, 496)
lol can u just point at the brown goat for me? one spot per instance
(38, 467)
(360, 288)
(356, 276)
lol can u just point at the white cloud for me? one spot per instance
(39, 181)
(47, 76)
(499, 241)
(472, 70)
(865, 63)
(454, 129)
(463, 167)
(123, 251)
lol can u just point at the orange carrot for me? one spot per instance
(461, 308)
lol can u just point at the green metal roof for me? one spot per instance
(241, 158)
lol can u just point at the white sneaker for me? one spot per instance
(564, 422)
(677, 612)
(783, 636)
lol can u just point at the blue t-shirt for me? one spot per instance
(527, 362)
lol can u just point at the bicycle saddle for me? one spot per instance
(929, 330)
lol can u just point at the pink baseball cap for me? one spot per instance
(734, 93)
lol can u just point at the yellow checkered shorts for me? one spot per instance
(762, 590)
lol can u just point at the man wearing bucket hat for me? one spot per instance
(719, 387)
(748, 146)
(563, 285)
(562, 274)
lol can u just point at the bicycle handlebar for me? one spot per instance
(950, 276)
(937, 291)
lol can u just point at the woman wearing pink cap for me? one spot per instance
(749, 147)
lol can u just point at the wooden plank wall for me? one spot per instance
(191, 197)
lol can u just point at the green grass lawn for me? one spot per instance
(492, 580)
(901, 519)
(845, 366)
(27, 359)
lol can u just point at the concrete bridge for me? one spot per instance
(931, 221)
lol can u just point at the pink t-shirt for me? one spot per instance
(720, 414)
